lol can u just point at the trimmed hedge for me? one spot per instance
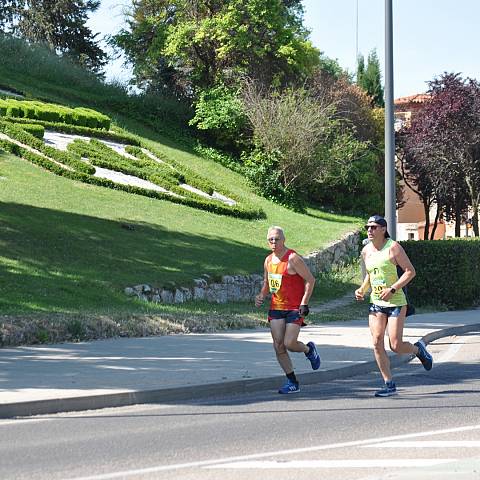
(102, 156)
(114, 161)
(448, 272)
(50, 112)
(121, 137)
(65, 158)
(35, 130)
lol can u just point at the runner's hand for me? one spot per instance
(259, 300)
(359, 295)
(303, 310)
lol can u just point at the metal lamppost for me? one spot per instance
(390, 195)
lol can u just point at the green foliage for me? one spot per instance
(168, 176)
(331, 67)
(359, 189)
(181, 44)
(369, 78)
(49, 112)
(338, 281)
(218, 156)
(263, 171)
(64, 158)
(35, 130)
(39, 73)
(219, 111)
(117, 135)
(61, 25)
(309, 151)
(83, 260)
(448, 272)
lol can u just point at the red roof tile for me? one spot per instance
(417, 98)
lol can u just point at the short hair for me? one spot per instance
(278, 229)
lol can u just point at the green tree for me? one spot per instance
(219, 113)
(200, 44)
(59, 24)
(304, 150)
(369, 78)
(360, 69)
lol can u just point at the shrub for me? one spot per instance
(219, 111)
(56, 160)
(50, 112)
(35, 130)
(118, 135)
(448, 272)
(262, 171)
(62, 157)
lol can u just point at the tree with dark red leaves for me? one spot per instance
(440, 151)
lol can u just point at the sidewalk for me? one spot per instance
(109, 373)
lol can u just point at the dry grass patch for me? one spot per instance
(34, 329)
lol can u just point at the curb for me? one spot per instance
(165, 395)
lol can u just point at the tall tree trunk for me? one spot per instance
(458, 219)
(475, 200)
(426, 209)
(435, 223)
(475, 220)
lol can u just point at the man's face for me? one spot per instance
(375, 231)
(275, 240)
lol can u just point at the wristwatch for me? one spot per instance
(393, 290)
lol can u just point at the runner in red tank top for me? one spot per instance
(290, 283)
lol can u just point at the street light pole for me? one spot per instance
(390, 197)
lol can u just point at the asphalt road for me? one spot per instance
(336, 430)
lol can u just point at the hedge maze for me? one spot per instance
(22, 129)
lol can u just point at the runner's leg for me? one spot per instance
(395, 334)
(378, 323)
(291, 339)
(277, 329)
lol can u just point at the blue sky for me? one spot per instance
(430, 36)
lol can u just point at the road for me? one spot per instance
(337, 430)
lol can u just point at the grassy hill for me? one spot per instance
(62, 245)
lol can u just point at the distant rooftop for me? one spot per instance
(417, 98)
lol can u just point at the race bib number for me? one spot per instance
(274, 282)
(378, 287)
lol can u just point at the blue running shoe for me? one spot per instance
(313, 356)
(289, 387)
(387, 390)
(424, 356)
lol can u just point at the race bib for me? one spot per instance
(274, 282)
(377, 287)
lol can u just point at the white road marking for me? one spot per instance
(303, 464)
(22, 420)
(428, 444)
(207, 463)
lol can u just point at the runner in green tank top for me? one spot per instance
(388, 303)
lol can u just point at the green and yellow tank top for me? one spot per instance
(383, 274)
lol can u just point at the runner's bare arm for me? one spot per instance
(365, 286)
(297, 263)
(265, 290)
(400, 258)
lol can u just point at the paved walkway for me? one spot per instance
(108, 373)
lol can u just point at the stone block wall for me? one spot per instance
(244, 287)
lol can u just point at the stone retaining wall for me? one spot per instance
(244, 287)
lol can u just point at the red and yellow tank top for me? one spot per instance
(287, 290)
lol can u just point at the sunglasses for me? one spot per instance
(273, 239)
(373, 227)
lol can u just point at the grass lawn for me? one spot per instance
(63, 248)
(65, 256)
